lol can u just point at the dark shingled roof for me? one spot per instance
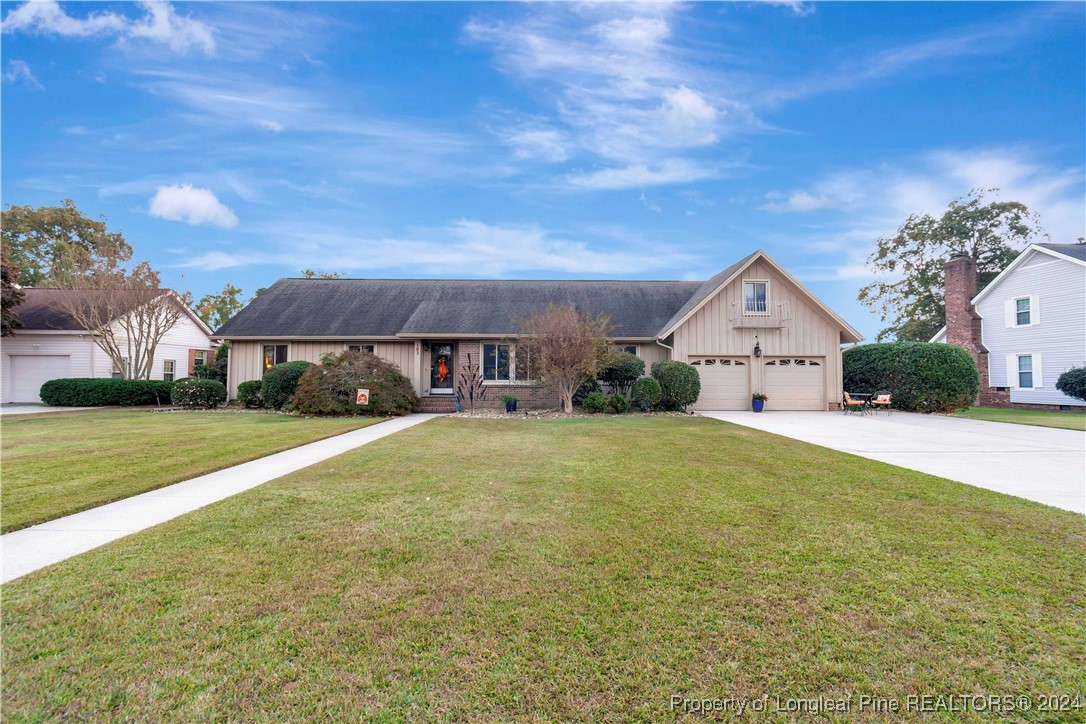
(387, 307)
(705, 290)
(1077, 251)
(39, 310)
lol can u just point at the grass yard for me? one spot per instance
(561, 569)
(1041, 418)
(54, 465)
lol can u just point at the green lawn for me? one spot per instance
(54, 465)
(564, 569)
(1041, 418)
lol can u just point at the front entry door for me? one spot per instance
(441, 368)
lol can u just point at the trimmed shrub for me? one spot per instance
(1073, 383)
(209, 372)
(96, 392)
(249, 393)
(196, 392)
(623, 372)
(280, 381)
(921, 376)
(618, 403)
(330, 388)
(594, 402)
(646, 393)
(680, 384)
(587, 387)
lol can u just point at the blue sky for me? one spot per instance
(244, 142)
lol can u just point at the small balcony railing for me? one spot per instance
(761, 315)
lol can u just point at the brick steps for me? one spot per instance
(437, 403)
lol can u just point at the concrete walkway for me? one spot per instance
(1043, 464)
(27, 550)
(27, 408)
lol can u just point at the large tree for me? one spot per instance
(11, 295)
(217, 309)
(991, 232)
(566, 347)
(42, 240)
(126, 310)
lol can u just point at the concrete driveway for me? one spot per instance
(1037, 463)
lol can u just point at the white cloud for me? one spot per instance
(545, 144)
(650, 205)
(465, 247)
(19, 70)
(192, 205)
(160, 23)
(798, 7)
(273, 126)
(671, 171)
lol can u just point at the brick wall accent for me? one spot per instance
(963, 324)
(192, 361)
(529, 396)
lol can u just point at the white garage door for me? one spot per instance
(795, 383)
(725, 383)
(30, 371)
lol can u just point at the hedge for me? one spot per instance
(330, 388)
(99, 392)
(680, 384)
(1073, 383)
(196, 392)
(623, 372)
(921, 376)
(249, 393)
(280, 381)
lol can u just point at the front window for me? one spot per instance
(360, 348)
(755, 297)
(1021, 312)
(507, 363)
(628, 348)
(117, 372)
(168, 368)
(1025, 370)
(274, 354)
(200, 357)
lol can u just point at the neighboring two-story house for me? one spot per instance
(50, 345)
(751, 328)
(1026, 328)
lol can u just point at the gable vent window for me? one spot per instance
(755, 297)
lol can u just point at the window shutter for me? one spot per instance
(1012, 371)
(1038, 375)
(1034, 310)
(1008, 313)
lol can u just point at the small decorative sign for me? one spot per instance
(362, 398)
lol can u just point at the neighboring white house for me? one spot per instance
(49, 345)
(1033, 324)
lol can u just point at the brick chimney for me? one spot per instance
(962, 320)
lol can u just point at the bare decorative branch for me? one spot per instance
(567, 347)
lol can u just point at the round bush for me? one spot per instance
(618, 403)
(623, 372)
(646, 393)
(196, 392)
(1073, 383)
(98, 392)
(594, 402)
(249, 393)
(921, 376)
(330, 388)
(680, 384)
(280, 382)
(587, 387)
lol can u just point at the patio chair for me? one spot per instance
(881, 400)
(850, 405)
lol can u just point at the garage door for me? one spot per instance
(30, 371)
(794, 383)
(725, 383)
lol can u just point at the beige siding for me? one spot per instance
(246, 358)
(651, 352)
(809, 332)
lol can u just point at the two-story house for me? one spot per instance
(1026, 328)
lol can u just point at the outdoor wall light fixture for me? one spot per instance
(757, 347)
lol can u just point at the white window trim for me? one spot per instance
(744, 300)
(1036, 370)
(196, 352)
(172, 372)
(512, 381)
(1014, 305)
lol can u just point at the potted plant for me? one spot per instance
(757, 401)
(510, 402)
